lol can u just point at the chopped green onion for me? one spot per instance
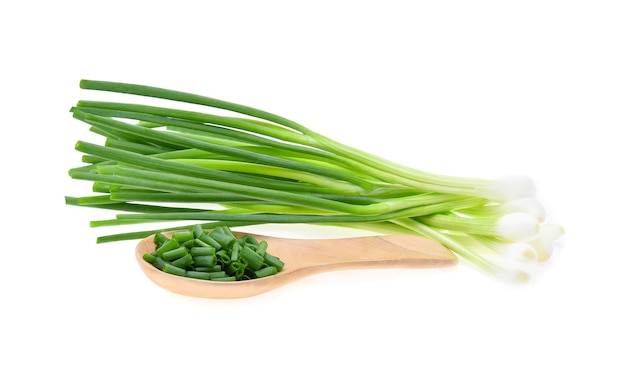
(209, 241)
(201, 243)
(171, 255)
(149, 258)
(184, 261)
(266, 271)
(158, 263)
(199, 275)
(197, 231)
(166, 246)
(201, 261)
(224, 279)
(273, 261)
(225, 240)
(202, 250)
(218, 274)
(215, 268)
(223, 257)
(234, 252)
(254, 259)
(160, 239)
(261, 248)
(204, 261)
(183, 236)
(174, 270)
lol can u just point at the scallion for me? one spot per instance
(201, 262)
(252, 167)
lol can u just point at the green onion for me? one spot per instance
(199, 275)
(175, 253)
(254, 259)
(165, 246)
(198, 261)
(174, 270)
(184, 261)
(183, 236)
(273, 261)
(201, 250)
(149, 258)
(204, 261)
(266, 271)
(252, 167)
(215, 268)
(224, 278)
(158, 262)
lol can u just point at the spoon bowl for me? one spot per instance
(304, 257)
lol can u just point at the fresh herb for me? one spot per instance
(256, 167)
(213, 255)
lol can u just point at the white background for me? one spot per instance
(468, 88)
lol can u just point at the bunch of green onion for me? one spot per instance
(251, 167)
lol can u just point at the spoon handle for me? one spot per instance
(399, 251)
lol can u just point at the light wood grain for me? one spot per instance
(304, 257)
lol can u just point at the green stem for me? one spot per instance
(281, 197)
(288, 218)
(166, 197)
(146, 233)
(226, 150)
(190, 98)
(254, 168)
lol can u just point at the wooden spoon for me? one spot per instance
(304, 257)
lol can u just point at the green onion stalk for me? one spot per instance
(251, 167)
